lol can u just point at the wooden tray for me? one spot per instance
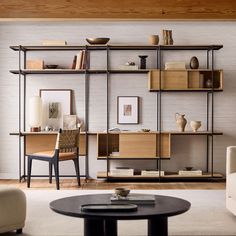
(108, 207)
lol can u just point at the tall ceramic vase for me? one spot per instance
(180, 121)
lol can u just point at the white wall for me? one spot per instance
(187, 151)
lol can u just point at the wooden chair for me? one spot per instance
(67, 148)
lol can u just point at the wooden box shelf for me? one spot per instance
(184, 79)
(134, 144)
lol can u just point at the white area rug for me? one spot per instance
(207, 215)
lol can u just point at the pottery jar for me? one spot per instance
(180, 121)
(195, 125)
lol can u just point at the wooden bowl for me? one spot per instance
(188, 168)
(51, 66)
(145, 130)
(123, 192)
(97, 40)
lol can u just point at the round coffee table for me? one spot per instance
(105, 223)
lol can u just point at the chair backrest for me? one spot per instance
(68, 140)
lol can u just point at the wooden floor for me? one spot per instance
(98, 184)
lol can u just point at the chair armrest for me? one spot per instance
(231, 160)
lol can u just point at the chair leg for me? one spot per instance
(50, 172)
(29, 171)
(19, 231)
(76, 163)
(56, 169)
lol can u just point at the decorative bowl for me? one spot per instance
(188, 168)
(51, 66)
(123, 192)
(97, 40)
(145, 130)
(195, 125)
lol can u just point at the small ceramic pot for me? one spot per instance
(123, 192)
(194, 64)
(154, 39)
(195, 125)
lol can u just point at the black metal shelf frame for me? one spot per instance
(159, 49)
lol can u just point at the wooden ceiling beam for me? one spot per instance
(122, 9)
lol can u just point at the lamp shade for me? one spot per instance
(35, 113)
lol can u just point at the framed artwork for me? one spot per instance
(55, 104)
(69, 122)
(127, 110)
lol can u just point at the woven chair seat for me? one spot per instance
(62, 155)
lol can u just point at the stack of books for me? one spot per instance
(122, 172)
(138, 199)
(190, 172)
(129, 67)
(115, 154)
(80, 61)
(175, 65)
(54, 43)
(152, 173)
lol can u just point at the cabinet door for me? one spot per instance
(138, 145)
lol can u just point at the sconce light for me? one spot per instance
(35, 114)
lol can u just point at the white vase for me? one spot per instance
(195, 125)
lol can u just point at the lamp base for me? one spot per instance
(35, 129)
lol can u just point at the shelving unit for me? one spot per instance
(155, 145)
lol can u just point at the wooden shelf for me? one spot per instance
(102, 174)
(44, 133)
(130, 158)
(172, 132)
(116, 47)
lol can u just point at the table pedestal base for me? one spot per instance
(97, 227)
(158, 227)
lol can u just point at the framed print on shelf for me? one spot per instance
(127, 109)
(69, 122)
(55, 104)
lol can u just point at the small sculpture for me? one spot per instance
(180, 121)
(194, 64)
(154, 39)
(142, 61)
(167, 37)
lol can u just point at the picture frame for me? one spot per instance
(69, 122)
(127, 110)
(55, 104)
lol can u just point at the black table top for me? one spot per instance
(165, 206)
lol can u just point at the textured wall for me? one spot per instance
(187, 151)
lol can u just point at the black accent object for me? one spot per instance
(108, 207)
(19, 231)
(143, 61)
(104, 223)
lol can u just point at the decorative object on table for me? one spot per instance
(145, 130)
(194, 64)
(108, 207)
(190, 172)
(54, 43)
(142, 61)
(208, 83)
(127, 109)
(167, 37)
(36, 64)
(188, 168)
(154, 39)
(195, 125)
(48, 128)
(35, 114)
(139, 199)
(97, 40)
(180, 121)
(55, 103)
(122, 192)
(69, 122)
(175, 65)
(130, 65)
(51, 66)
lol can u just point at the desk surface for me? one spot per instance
(165, 206)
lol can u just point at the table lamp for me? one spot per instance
(35, 114)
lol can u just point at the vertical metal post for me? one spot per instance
(86, 115)
(157, 101)
(208, 59)
(107, 128)
(212, 113)
(24, 115)
(159, 107)
(207, 154)
(19, 124)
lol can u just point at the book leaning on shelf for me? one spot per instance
(80, 61)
